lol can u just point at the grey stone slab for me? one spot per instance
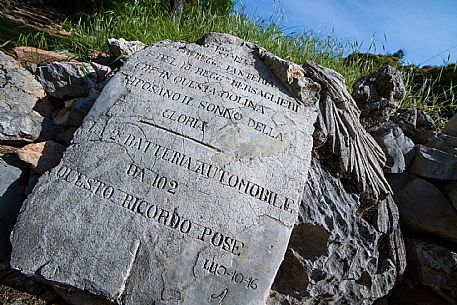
(182, 185)
(19, 92)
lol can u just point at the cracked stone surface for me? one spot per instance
(183, 184)
(19, 92)
(378, 96)
(335, 256)
(346, 247)
(68, 79)
(433, 163)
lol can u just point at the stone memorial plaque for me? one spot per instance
(182, 186)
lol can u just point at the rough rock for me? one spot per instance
(378, 96)
(439, 141)
(334, 255)
(6, 149)
(449, 140)
(451, 126)
(41, 156)
(433, 265)
(41, 57)
(340, 139)
(12, 193)
(67, 79)
(409, 294)
(74, 112)
(423, 208)
(183, 183)
(450, 191)
(398, 148)
(433, 163)
(19, 92)
(424, 121)
(103, 71)
(122, 48)
(347, 213)
(406, 118)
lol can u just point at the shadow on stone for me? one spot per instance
(309, 241)
(292, 278)
(12, 194)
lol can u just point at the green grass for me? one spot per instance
(149, 21)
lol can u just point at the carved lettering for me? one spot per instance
(207, 170)
(184, 119)
(133, 81)
(286, 103)
(267, 130)
(234, 276)
(152, 178)
(198, 56)
(152, 211)
(248, 75)
(221, 111)
(226, 53)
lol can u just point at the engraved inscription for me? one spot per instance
(156, 180)
(205, 169)
(234, 276)
(219, 297)
(184, 119)
(237, 83)
(183, 182)
(149, 210)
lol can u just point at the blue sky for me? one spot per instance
(422, 28)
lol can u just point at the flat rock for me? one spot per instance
(67, 79)
(41, 156)
(12, 194)
(449, 140)
(440, 141)
(122, 48)
(398, 148)
(183, 184)
(434, 164)
(40, 57)
(423, 208)
(19, 92)
(451, 126)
